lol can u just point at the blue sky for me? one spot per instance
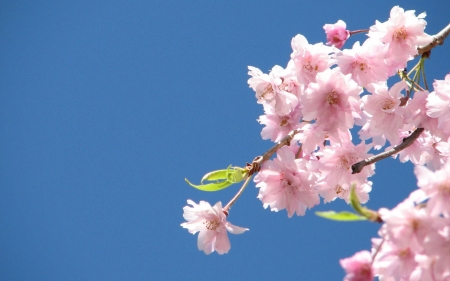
(105, 108)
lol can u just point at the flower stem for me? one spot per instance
(228, 206)
(359, 31)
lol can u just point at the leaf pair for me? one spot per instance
(222, 179)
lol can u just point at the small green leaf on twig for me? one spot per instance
(215, 186)
(341, 216)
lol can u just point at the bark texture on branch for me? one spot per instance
(357, 167)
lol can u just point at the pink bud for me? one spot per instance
(337, 33)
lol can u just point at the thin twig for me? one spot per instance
(357, 167)
(257, 162)
(358, 31)
(228, 206)
(438, 39)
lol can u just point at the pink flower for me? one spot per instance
(333, 100)
(337, 33)
(387, 117)
(406, 225)
(336, 172)
(212, 224)
(438, 103)
(417, 107)
(310, 59)
(358, 267)
(288, 183)
(277, 127)
(439, 155)
(403, 33)
(278, 89)
(393, 261)
(437, 186)
(365, 63)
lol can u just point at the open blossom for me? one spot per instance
(336, 172)
(439, 154)
(212, 225)
(337, 33)
(387, 116)
(288, 183)
(417, 107)
(393, 261)
(403, 33)
(333, 100)
(406, 225)
(277, 127)
(278, 89)
(365, 63)
(437, 186)
(358, 267)
(310, 59)
(438, 103)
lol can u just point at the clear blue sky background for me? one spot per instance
(105, 108)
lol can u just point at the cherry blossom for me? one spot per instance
(310, 59)
(333, 100)
(278, 89)
(438, 103)
(403, 33)
(336, 173)
(212, 225)
(358, 267)
(277, 127)
(336, 33)
(288, 183)
(387, 117)
(365, 63)
(437, 186)
(393, 262)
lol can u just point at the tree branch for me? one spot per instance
(438, 39)
(257, 162)
(357, 167)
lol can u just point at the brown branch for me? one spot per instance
(357, 167)
(257, 162)
(438, 39)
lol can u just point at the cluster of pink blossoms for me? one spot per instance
(323, 92)
(415, 236)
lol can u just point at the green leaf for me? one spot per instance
(231, 174)
(215, 175)
(211, 186)
(342, 216)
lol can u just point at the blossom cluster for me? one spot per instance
(324, 92)
(415, 236)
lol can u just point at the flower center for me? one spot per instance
(267, 90)
(444, 188)
(400, 34)
(415, 224)
(332, 98)
(284, 121)
(212, 225)
(346, 162)
(406, 253)
(308, 67)
(338, 189)
(360, 65)
(388, 104)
